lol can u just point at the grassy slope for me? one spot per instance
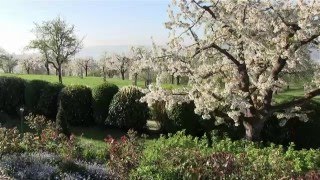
(88, 81)
(68, 80)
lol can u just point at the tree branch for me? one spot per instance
(296, 102)
(221, 50)
(207, 8)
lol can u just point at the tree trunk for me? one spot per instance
(148, 78)
(60, 73)
(135, 79)
(122, 75)
(172, 79)
(81, 73)
(28, 70)
(104, 74)
(86, 69)
(178, 80)
(253, 129)
(47, 68)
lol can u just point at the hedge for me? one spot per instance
(75, 107)
(11, 94)
(48, 100)
(102, 96)
(126, 110)
(33, 92)
(182, 116)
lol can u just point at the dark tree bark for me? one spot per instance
(86, 70)
(253, 128)
(104, 74)
(122, 75)
(178, 80)
(135, 81)
(172, 79)
(47, 68)
(60, 73)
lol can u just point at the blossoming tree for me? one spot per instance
(141, 61)
(236, 54)
(85, 63)
(116, 62)
(7, 61)
(30, 62)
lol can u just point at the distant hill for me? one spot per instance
(97, 51)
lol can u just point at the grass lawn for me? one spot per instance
(294, 91)
(88, 81)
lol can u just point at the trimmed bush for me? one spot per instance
(182, 116)
(33, 92)
(102, 96)
(48, 101)
(75, 107)
(126, 110)
(11, 94)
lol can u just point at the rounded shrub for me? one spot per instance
(182, 116)
(11, 94)
(126, 110)
(75, 107)
(32, 93)
(48, 100)
(102, 96)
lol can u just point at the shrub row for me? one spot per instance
(181, 156)
(76, 105)
(106, 104)
(226, 159)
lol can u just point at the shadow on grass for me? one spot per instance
(99, 133)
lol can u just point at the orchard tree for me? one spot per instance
(236, 54)
(141, 61)
(7, 61)
(102, 63)
(86, 64)
(116, 62)
(121, 63)
(106, 66)
(29, 62)
(57, 41)
(43, 49)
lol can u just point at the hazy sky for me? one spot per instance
(103, 23)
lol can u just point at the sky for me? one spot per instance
(105, 24)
